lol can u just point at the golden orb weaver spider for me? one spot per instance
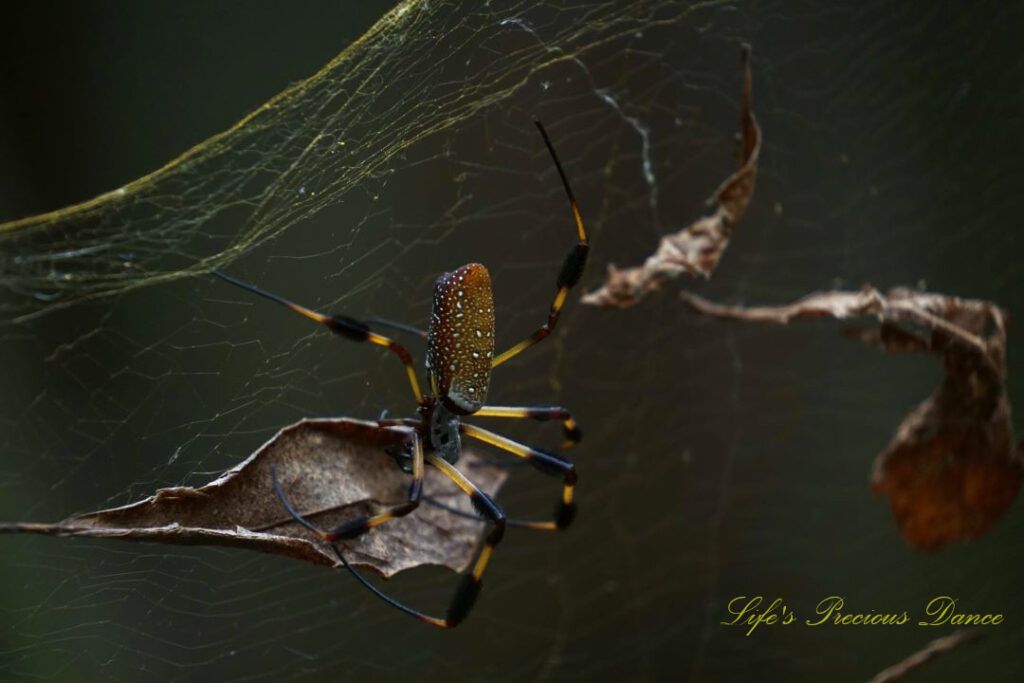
(460, 357)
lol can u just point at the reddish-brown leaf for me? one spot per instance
(952, 469)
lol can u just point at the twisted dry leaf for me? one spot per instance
(952, 469)
(331, 470)
(696, 249)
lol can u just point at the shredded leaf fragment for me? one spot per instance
(332, 469)
(696, 249)
(952, 468)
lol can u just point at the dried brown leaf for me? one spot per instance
(331, 469)
(696, 249)
(952, 469)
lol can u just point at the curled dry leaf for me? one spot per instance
(331, 470)
(952, 469)
(696, 249)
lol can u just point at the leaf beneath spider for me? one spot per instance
(952, 469)
(696, 249)
(331, 470)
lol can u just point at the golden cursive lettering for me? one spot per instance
(747, 613)
(750, 612)
(942, 611)
(825, 608)
(831, 610)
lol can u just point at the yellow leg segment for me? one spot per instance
(546, 463)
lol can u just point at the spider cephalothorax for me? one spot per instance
(459, 360)
(442, 431)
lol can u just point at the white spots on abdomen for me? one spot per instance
(460, 341)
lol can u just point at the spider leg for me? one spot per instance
(544, 462)
(470, 515)
(572, 267)
(360, 525)
(350, 328)
(397, 326)
(469, 586)
(573, 435)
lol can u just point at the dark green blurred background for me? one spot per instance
(719, 460)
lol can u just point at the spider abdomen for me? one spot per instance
(460, 339)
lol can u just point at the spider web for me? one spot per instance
(718, 460)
